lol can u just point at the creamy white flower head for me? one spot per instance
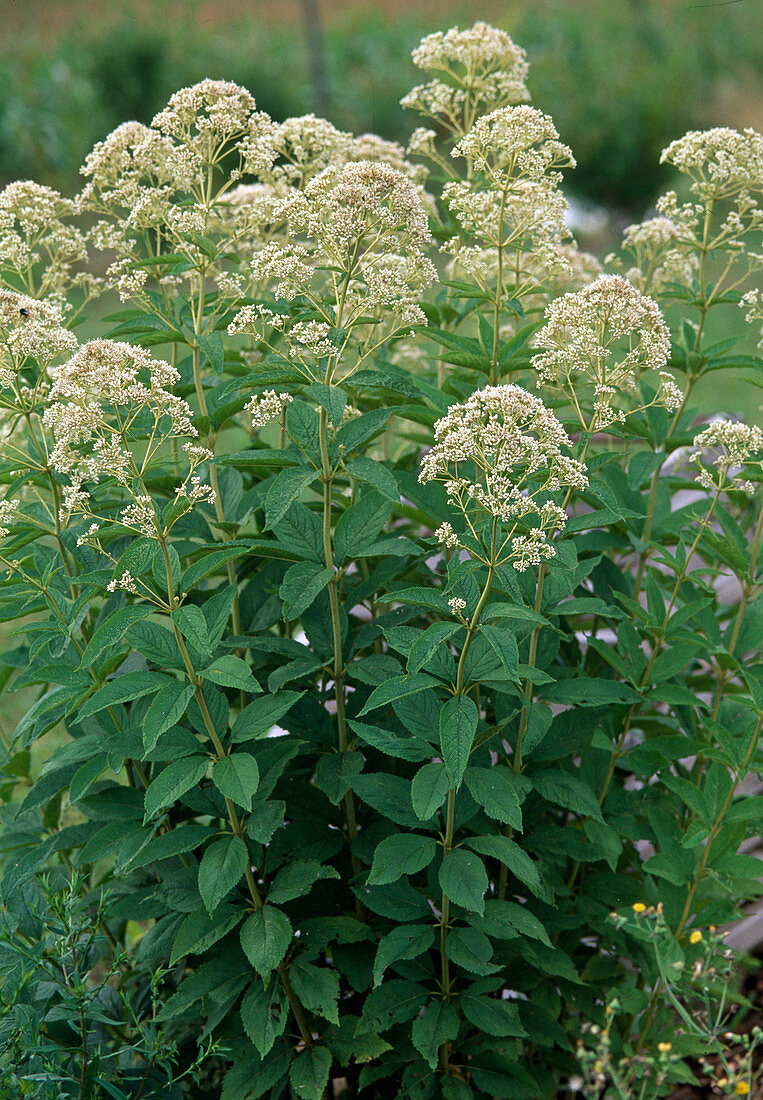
(9, 514)
(499, 454)
(126, 583)
(36, 236)
(102, 377)
(480, 68)
(30, 330)
(515, 141)
(212, 108)
(752, 304)
(662, 248)
(305, 145)
(728, 454)
(720, 162)
(134, 169)
(267, 406)
(603, 336)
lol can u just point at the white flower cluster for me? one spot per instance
(97, 397)
(30, 329)
(662, 249)
(9, 514)
(728, 453)
(752, 303)
(476, 71)
(720, 162)
(604, 336)
(515, 141)
(267, 406)
(361, 227)
(39, 245)
(500, 454)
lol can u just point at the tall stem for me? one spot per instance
(233, 816)
(327, 477)
(450, 811)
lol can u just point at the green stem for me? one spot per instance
(232, 812)
(327, 477)
(450, 812)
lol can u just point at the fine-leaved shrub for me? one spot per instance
(381, 608)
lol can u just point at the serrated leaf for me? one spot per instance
(464, 880)
(317, 988)
(301, 586)
(166, 710)
(112, 630)
(496, 790)
(400, 688)
(172, 783)
(566, 790)
(263, 1015)
(296, 879)
(199, 931)
(221, 868)
(406, 942)
(309, 1073)
(237, 777)
(265, 938)
(492, 1016)
(401, 854)
(428, 790)
(438, 1024)
(122, 689)
(458, 725)
(230, 671)
(283, 490)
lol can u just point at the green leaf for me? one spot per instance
(221, 868)
(389, 795)
(427, 644)
(401, 854)
(587, 691)
(472, 950)
(301, 585)
(296, 879)
(210, 563)
(309, 1073)
(332, 398)
(263, 1015)
(505, 920)
(373, 473)
(191, 623)
(112, 630)
(316, 987)
(564, 789)
(406, 942)
(428, 790)
(512, 856)
(172, 783)
(258, 718)
(492, 1016)
(399, 688)
(284, 489)
(170, 844)
(504, 645)
(230, 671)
(237, 777)
(497, 791)
(265, 938)
(437, 1025)
(360, 525)
(199, 931)
(458, 725)
(122, 689)
(463, 878)
(167, 708)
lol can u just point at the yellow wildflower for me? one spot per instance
(664, 1047)
(696, 936)
(742, 1088)
(639, 907)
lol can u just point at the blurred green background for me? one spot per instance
(620, 77)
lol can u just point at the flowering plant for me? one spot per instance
(383, 608)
